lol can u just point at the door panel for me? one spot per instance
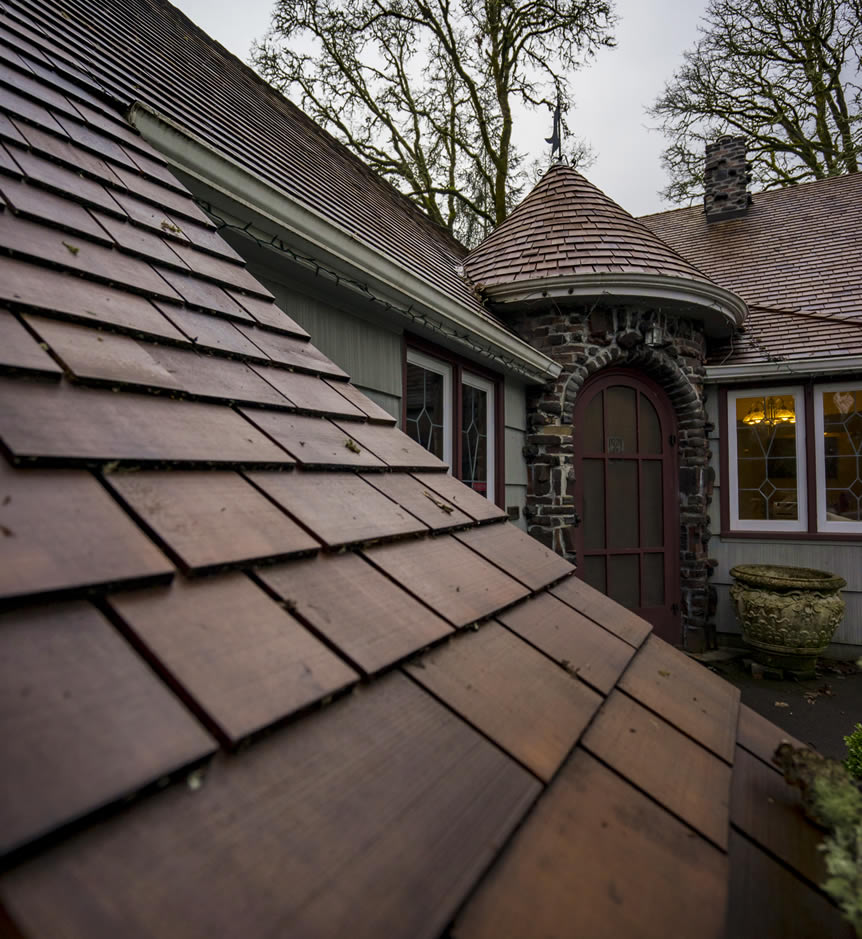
(626, 496)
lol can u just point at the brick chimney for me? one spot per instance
(726, 179)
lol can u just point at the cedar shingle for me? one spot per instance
(643, 748)
(516, 553)
(409, 493)
(83, 721)
(600, 859)
(208, 520)
(60, 531)
(243, 660)
(461, 496)
(686, 694)
(373, 817)
(59, 422)
(523, 701)
(339, 508)
(20, 352)
(577, 643)
(449, 577)
(367, 617)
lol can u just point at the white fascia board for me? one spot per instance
(727, 309)
(790, 368)
(193, 156)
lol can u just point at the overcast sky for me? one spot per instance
(611, 94)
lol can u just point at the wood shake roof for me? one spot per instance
(566, 226)
(147, 50)
(256, 683)
(795, 258)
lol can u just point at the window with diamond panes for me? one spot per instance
(451, 411)
(477, 434)
(766, 460)
(428, 404)
(838, 435)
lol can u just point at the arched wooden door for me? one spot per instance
(626, 496)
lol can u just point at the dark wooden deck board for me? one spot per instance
(526, 704)
(515, 552)
(244, 660)
(210, 519)
(597, 858)
(449, 577)
(373, 621)
(339, 508)
(577, 643)
(602, 610)
(62, 532)
(679, 774)
(372, 818)
(83, 721)
(685, 693)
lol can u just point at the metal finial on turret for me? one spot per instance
(556, 138)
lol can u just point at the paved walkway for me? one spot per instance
(820, 711)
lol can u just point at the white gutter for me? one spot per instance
(752, 371)
(728, 309)
(195, 157)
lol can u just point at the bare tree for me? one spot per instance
(424, 90)
(786, 74)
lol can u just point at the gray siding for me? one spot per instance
(843, 558)
(369, 353)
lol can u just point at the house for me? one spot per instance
(266, 668)
(784, 393)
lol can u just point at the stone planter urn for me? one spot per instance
(788, 614)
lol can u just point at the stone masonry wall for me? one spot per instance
(669, 350)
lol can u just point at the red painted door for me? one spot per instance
(626, 496)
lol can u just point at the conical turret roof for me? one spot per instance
(568, 237)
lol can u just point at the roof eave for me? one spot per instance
(754, 371)
(193, 156)
(717, 308)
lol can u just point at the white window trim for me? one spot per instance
(482, 384)
(824, 524)
(737, 524)
(444, 369)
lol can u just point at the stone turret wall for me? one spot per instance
(671, 351)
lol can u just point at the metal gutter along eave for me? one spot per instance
(196, 158)
(804, 368)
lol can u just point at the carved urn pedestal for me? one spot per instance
(788, 614)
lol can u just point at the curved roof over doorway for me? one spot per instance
(568, 239)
